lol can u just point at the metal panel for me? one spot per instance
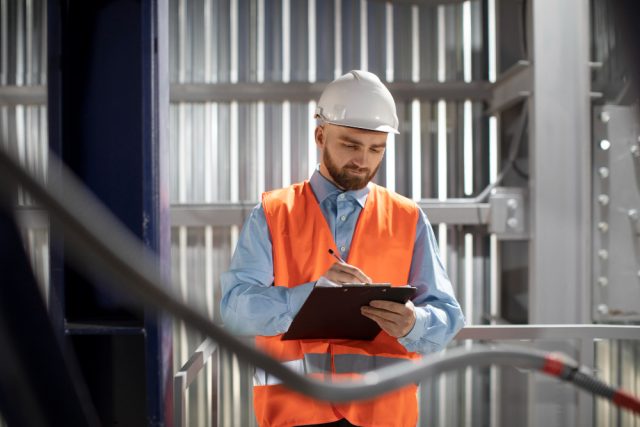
(560, 196)
(616, 221)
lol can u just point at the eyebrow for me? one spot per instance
(355, 141)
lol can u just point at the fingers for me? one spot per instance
(346, 273)
(394, 318)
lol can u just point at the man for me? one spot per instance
(384, 237)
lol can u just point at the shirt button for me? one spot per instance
(341, 196)
(342, 248)
(343, 217)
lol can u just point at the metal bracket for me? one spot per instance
(507, 217)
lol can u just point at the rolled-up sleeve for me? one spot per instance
(438, 314)
(250, 304)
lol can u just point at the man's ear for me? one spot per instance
(319, 136)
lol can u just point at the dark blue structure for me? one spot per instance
(40, 383)
(108, 100)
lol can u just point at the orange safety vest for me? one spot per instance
(382, 247)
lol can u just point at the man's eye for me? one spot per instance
(351, 146)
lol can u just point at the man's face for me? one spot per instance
(350, 157)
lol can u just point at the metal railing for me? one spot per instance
(584, 334)
(100, 246)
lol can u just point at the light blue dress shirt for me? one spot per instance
(250, 305)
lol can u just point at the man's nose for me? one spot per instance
(360, 158)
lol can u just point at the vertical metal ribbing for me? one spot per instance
(312, 151)
(416, 145)
(311, 145)
(364, 51)
(416, 133)
(208, 48)
(469, 314)
(260, 133)
(260, 110)
(234, 194)
(468, 108)
(20, 36)
(260, 51)
(415, 44)
(466, 41)
(4, 46)
(234, 166)
(468, 148)
(390, 159)
(21, 145)
(182, 40)
(286, 105)
(236, 392)
(390, 152)
(442, 150)
(492, 42)
(286, 143)
(233, 41)
(337, 72)
(286, 41)
(29, 43)
(311, 21)
(44, 144)
(388, 27)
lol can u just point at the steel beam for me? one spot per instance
(292, 91)
(23, 95)
(304, 91)
(513, 86)
(549, 332)
(226, 214)
(560, 190)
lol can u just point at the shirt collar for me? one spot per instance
(324, 188)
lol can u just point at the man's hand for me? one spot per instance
(394, 318)
(346, 273)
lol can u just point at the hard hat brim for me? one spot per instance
(365, 126)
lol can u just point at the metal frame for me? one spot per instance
(221, 214)
(275, 91)
(513, 86)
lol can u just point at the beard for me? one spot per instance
(347, 177)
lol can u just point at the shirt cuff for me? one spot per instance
(419, 328)
(297, 296)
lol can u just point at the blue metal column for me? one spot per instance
(108, 110)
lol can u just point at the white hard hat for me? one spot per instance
(358, 99)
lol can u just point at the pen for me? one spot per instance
(336, 256)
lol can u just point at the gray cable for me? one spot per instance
(100, 245)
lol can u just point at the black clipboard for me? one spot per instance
(334, 312)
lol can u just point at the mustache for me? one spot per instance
(356, 168)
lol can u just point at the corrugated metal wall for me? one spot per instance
(23, 128)
(233, 151)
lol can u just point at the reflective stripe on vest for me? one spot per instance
(359, 364)
(311, 364)
(321, 363)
